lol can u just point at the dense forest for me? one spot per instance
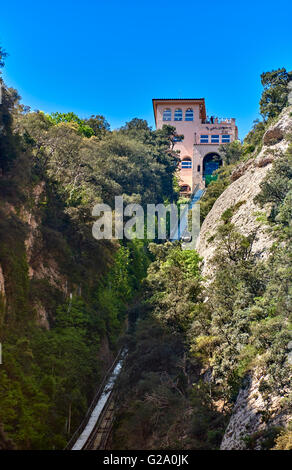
(68, 301)
(64, 304)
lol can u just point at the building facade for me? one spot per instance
(198, 138)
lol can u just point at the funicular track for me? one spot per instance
(182, 228)
(99, 437)
(95, 428)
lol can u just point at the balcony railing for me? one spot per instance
(216, 120)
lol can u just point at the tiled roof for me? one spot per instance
(178, 99)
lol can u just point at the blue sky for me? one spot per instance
(112, 57)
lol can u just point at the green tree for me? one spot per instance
(3, 55)
(231, 153)
(83, 128)
(98, 124)
(275, 95)
(255, 135)
(277, 185)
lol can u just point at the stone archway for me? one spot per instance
(211, 162)
(185, 189)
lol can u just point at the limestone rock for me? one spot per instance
(243, 189)
(248, 416)
(278, 132)
(273, 135)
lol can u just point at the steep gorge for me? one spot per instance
(65, 295)
(207, 331)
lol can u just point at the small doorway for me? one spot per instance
(211, 163)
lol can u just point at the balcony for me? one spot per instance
(216, 120)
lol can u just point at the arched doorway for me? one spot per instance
(211, 162)
(185, 189)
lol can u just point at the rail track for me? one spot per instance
(101, 432)
(95, 428)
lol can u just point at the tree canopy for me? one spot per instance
(275, 95)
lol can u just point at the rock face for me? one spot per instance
(2, 283)
(248, 413)
(245, 186)
(278, 132)
(41, 265)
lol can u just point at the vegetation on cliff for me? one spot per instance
(273, 100)
(163, 402)
(64, 295)
(214, 336)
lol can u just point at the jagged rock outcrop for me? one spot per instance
(280, 130)
(42, 266)
(245, 186)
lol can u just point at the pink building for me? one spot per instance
(201, 138)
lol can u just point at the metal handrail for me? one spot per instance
(90, 441)
(176, 233)
(96, 397)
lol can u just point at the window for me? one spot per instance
(225, 138)
(186, 163)
(178, 115)
(199, 168)
(215, 139)
(189, 116)
(204, 139)
(167, 115)
(178, 138)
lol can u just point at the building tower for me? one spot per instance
(202, 136)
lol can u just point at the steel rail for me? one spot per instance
(94, 402)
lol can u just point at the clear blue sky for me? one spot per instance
(112, 57)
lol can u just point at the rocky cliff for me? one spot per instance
(242, 191)
(255, 414)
